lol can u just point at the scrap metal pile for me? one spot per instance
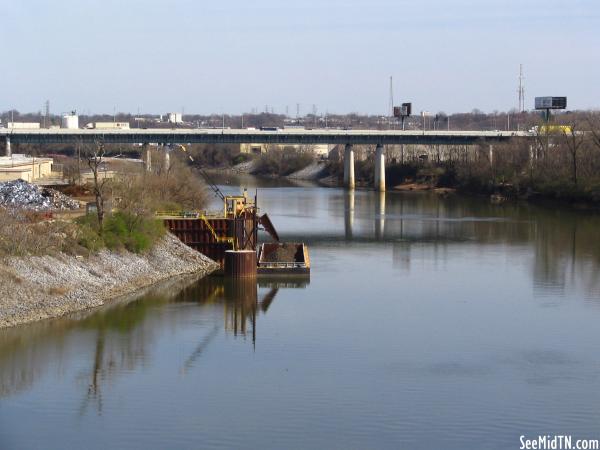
(21, 194)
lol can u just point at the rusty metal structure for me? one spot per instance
(235, 228)
(230, 237)
(240, 263)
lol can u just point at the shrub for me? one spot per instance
(241, 158)
(121, 231)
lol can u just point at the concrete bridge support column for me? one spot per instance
(349, 181)
(8, 148)
(147, 156)
(379, 169)
(491, 150)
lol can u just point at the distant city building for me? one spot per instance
(70, 121)
(259, 149)
(23, 125)
(175, 117)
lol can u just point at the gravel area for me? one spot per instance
(40, 287)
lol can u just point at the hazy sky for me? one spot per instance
(234, 55)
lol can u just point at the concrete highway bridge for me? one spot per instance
(348, 138)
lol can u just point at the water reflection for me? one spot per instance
(559, 246)
(121, 338)
(349, 199)
(379, 215)
(456, 298)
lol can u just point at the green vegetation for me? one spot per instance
(121, 230)
(284, 161)
(128, 223)
(137, 196)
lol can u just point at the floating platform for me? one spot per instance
(283, 258)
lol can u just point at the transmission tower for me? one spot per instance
(391, 105)
(47, 114)
(521, 90)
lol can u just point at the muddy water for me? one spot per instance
(427, 322)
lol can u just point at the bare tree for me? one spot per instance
(95, 154)
(573, 139)
(593, 121)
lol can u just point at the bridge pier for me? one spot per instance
(8, 148)
(491, 153)
(379, 169)
(147, 156)
(349, 182)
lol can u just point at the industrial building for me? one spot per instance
(175, 117)
(23, 125)
(321, 150)
(70, 121)
(24, 167)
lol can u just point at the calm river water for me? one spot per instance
(427, 322)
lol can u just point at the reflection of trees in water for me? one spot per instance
(564, 248)
(119, 339)
(116, 339)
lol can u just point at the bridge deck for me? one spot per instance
(239, 136)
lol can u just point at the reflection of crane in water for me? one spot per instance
(240, 306)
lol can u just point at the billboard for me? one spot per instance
(403, 111)
(550, 102)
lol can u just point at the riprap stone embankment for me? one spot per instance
(40, 287)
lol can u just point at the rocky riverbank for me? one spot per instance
(40, 287)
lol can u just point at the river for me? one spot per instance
(427, 322)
